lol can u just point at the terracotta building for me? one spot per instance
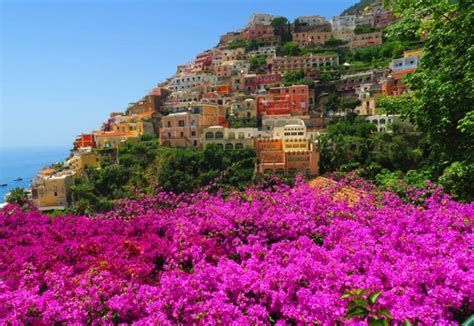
(284, 100)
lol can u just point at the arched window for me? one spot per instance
(209, 135)
(308, 172)
(219, 135)
(231, 135)
(280, 172)
(229, 146)
(382, 121)
(239, 146)
(268, 171)
(241, 135)
(292, 171)
(220, 146)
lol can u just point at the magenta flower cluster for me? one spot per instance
(279, 255)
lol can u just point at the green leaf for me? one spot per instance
(407, 323)
(469, 321)
(377, 322)
(346, 295)
(384, 312)
(357, 312)
(373, 297)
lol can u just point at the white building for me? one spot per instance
(383, 122)
(365, 19)
(269, 51)
(186, 82)
(343, 23)
(315, 20)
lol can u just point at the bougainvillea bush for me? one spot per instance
(275, 255)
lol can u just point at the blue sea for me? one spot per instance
(25, 163)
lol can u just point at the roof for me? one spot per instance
(146, 114)
(112, 134)
(346, 193)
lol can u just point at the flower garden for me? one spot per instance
(270, 255)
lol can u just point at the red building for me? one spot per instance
(259, 82)
(260, 32)
(204, 60)
(284, 100)
(85, 140)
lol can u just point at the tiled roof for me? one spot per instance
(346, 193)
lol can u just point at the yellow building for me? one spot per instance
(113, 138)
(51, 189)
(82, 160)
(135, 125)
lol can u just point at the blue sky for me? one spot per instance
(65, 65)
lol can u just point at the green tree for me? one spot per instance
(258, 63)
(442, 87)
(17, 196)
(281, 28)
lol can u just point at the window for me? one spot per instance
(219, 135)
(280, 172)
(193, 133)
(209, 135)
(268, 171)
(229, 146)
(169, 123)
(231, 135)
(182, 134)
(239, 146)
(181, 123)
(241, 135)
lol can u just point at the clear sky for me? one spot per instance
(66, 64)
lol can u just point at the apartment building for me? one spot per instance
(108, 139)
(268, 50)
(231, 138)
(281, 65)
(284, 100)
(311, 21)
(181, 129)
(85, 140)
(231, 68)
(187, 82)
(366, 39)
(255, 83)
(312, 37)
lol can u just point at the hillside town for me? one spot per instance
(266, 86)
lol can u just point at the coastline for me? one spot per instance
(25, 163)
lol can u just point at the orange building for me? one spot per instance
(273, 159)
(284, 100)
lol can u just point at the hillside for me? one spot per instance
(358, 7)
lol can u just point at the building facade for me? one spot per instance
(282, 65)
(292, 100)
(51, 189)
